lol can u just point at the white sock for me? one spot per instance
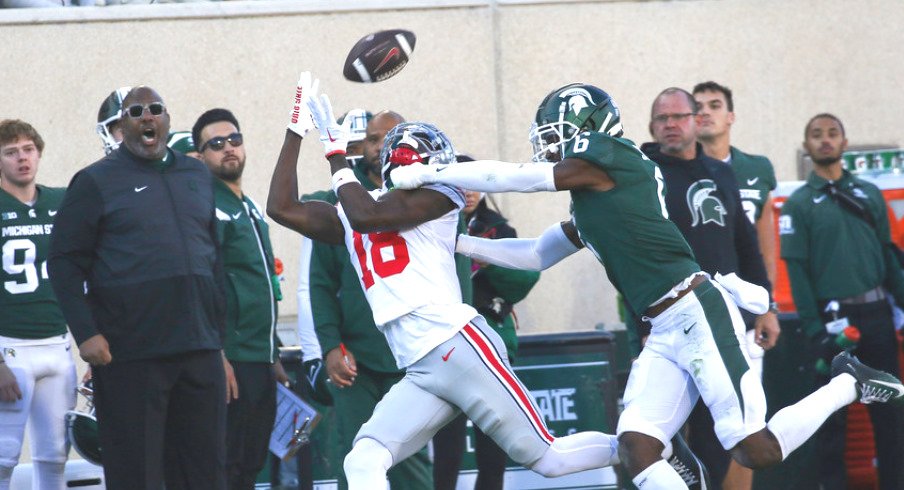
(577, 452)
(366, 465)
(47, 475)
(793, 425)
(667, 452)
(659, 475)
(6, 474)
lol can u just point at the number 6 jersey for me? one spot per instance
(410, 281)
(29, 307)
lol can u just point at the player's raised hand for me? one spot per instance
(300, 121)
(413, 176)
(95, 351)
(9, 386)
(333, 135)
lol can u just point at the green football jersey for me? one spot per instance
(756, 179)
(30, 309)
(627, 227)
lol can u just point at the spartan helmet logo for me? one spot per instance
(704, 206)
(576, 100)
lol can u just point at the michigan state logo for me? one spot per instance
(575, 100)
(705, 207)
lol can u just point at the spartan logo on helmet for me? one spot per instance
(703, 205)
(568, 111)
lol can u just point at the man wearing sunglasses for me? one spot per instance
(134, 260)
(251, 358)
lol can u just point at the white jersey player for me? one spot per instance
(402, 244)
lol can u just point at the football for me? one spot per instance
(379, 56)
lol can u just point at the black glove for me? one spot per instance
(314, 387)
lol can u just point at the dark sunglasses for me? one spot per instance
(218, 143)
(137, 110)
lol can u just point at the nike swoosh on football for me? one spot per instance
(392, 53)
(752, 181)
(819, 199)
(446, 357)
(139, 189)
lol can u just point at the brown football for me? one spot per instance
(379, 56)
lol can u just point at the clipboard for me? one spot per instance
(295, 419)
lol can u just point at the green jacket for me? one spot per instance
(338, 305)
(832, 254)
(251, 288)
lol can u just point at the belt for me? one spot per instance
(658, 308)
(871, 296)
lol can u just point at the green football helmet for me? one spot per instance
(81, 427)
(568, 111)
(357, 131)
(110, 113)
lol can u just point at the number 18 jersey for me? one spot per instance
(28, 307)
(410, 281)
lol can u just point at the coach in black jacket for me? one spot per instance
(137, 231)
(703, 200)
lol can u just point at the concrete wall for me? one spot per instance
(478, 71)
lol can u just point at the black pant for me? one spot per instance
(249, 421)
(449, 448)
(163, 421)
(878, 348)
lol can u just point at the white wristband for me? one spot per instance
(342, 177)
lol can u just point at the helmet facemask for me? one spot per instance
(414, 143)
(109, 114)
(549, 139)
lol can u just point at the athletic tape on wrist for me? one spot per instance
(342, 177)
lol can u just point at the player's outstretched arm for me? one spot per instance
(315, 219)
(496, 176)
(396, 210)
(540, 253)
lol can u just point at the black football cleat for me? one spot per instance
(688, 466)
(873, 386)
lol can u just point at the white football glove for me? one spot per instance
(413, 176)
(300, 121)
(333, 135)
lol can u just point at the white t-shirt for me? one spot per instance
(410, 280)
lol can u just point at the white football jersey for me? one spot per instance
(410, 281)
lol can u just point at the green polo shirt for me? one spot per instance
(830, 252)
(756, 179)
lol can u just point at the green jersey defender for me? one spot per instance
(30, 309)
(618, 213)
